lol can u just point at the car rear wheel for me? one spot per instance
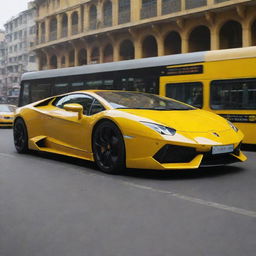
(20, 136)
(108, 148)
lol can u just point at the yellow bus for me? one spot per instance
(222, 81)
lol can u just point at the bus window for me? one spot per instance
(40, 91)
(60, 88)
(190, 93)
(138, 84)
(76, 86)
(104, 84)
(25, 99)
(233, 94)
(94, 84)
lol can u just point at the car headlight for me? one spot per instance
(233, 126)
(164, 130)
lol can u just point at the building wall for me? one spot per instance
(20, 36)
(2, 67)
(73, 32)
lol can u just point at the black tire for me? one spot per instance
(20, 136)
(108, 148)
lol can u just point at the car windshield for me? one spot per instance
(6, 108)
(136, 100)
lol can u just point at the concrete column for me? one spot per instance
(69, 24)
(137, 49)
(79, 13)
(183, 5)
(39, 32)
(115, 12)
(86, 17)
(116, 56)
(58, 60)
(247, 39)
(59, 26)
(159, 7)
(47, 29)
(214, 39)
(135, 10)
(101, 54)
(160, 46)
(184, 44)
(88, 52)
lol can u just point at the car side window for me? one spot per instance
(82, 99)
(96, 107)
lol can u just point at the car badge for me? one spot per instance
(216, 134)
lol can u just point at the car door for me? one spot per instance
(65, 130)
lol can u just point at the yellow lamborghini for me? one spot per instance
(119, 129)
(6, 114)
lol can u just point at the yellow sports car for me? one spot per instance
(6, 115)
(119, 129)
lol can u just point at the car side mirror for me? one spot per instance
(74, 107)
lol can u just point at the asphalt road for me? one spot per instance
(57, 206)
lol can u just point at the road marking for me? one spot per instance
(197, 200)
(7, 155)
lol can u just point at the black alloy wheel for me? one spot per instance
(108, 148)
(20, 136)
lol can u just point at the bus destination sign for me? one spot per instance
(187, 70)
(240, 118)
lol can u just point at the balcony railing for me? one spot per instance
(107, 21)
(124, 16)
(171, 6)
(74, 29)
(93, 24)
(42, 39)
(64, 32)
(148, 10)
(220, 1)
(53, 35)
(190, 4)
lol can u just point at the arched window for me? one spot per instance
(149, 47)
(126, 50)
(172, 43)
(93, 17)
(53, 62)
(107, 14)
(64, 25)
(71, 57)
(43, 62)
(124, 11)
(108, 53)
(82, 57)
(199, 39)
(95, 56)
(74, 18)
(53, 29)
(63, 61)
(253, 33)
(42, 39)
(230, 35)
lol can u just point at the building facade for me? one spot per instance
(2, 67)
(80, 32)
(20, 36)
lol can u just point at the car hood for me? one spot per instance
(183, 120)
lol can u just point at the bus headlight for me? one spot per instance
(164, 130)
(233, 126)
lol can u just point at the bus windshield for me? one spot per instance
(135, 100)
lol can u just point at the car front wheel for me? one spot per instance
(20, 136)
(108, 148)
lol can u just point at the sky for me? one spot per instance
(10, 8)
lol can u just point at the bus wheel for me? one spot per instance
(20, 136)
(108, 148)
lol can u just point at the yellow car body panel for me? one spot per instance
(56, 130)
(6, 118)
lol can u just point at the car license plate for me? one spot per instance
(222, 149)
